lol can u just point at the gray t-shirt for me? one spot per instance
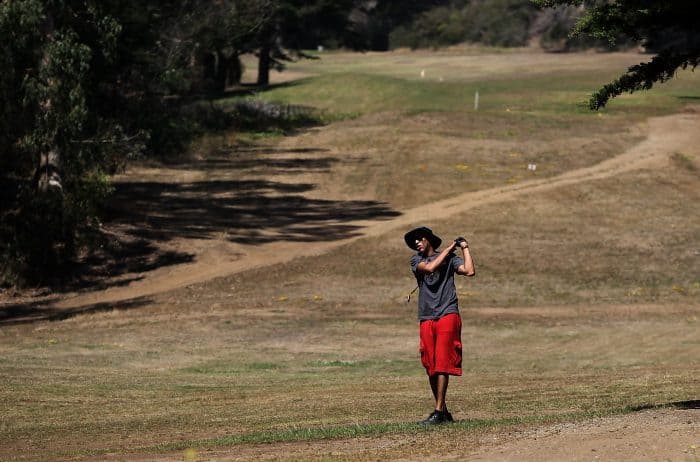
(437, 294)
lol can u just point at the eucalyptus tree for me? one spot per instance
(79, 82)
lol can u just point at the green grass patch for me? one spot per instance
(359, 430)
(225, 368)
(385, 366)
(555, 94)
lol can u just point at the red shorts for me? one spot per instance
(441, 345)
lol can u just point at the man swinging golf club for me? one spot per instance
(438, 311)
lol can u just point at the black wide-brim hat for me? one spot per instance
(420, 232)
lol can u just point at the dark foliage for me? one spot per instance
(668, 29)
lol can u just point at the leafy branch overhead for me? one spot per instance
(669, 29)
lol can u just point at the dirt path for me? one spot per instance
(665, 435)
(215, 258)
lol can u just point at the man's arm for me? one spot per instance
(430, 267)
(466, 269)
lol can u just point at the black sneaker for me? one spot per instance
(448, 416)
(436, 418)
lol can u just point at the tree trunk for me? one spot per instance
(235, 69)
(208, 72)
(47, 175)
(222, 65)
(264, 66)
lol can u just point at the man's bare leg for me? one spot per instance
(438, 384)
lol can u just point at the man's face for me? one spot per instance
(422, 244)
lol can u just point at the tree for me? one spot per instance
(667, 28)
(82, 87)
(51, 50)
(292, 25)
(88, 84)
(217, 34)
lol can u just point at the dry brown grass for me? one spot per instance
(413, 160)
(585, 303)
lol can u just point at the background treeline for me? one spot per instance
(89, 85)
(501, 23)
(438, 23)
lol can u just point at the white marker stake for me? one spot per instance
(476, 100)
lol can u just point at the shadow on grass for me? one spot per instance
(255, 210)
(692, 404)
(117, 255)
(684, 405)
(247, 212)
(241, 194)
(243, 202)
(27, 313)
(259, 160)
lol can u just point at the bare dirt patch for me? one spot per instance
(660, 435)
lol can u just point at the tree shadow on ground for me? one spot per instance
(683, 405)
(240, 200)
(120, 254)
(691, 404)
(259, 160)
(243, 202)
(245, 211)
(31, 312)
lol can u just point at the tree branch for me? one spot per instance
(643, 76)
